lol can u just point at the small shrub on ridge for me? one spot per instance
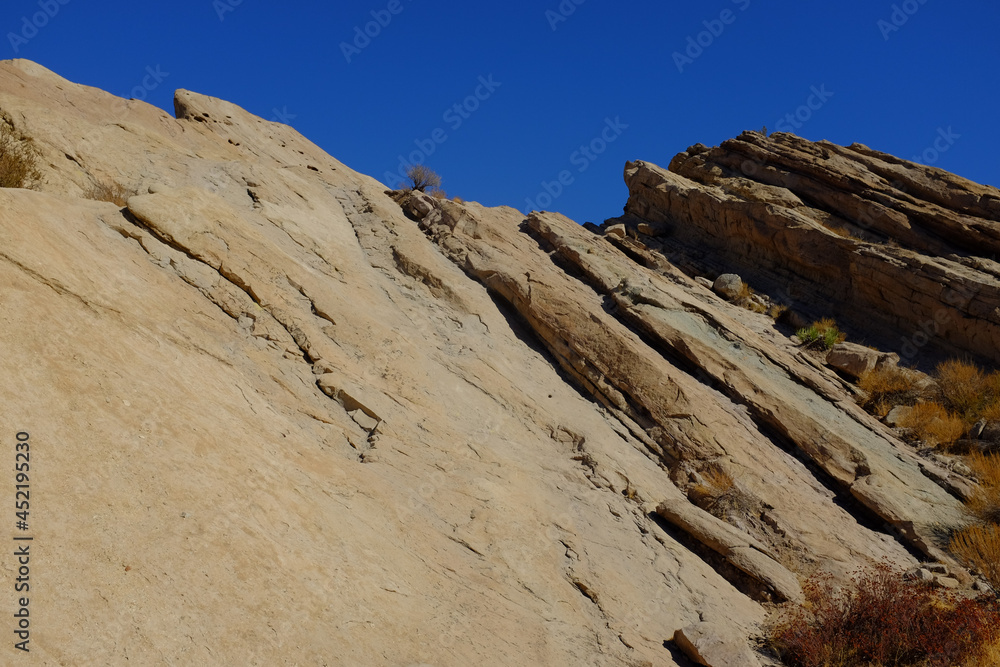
(422, 177)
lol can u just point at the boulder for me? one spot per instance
(617, 231)
(728, 286)
(856, 360)
(714, 645)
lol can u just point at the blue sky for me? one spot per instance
(553, 90)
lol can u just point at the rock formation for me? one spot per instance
(902, 254)
(280, 415)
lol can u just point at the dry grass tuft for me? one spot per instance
(985, 502)
(966, 390)
(978, 547)
(776, 311)
(933, 424)
(112, 191)
(887, 387)
(18, 160)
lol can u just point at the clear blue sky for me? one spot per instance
(560, 76)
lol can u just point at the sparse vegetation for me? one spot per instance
(717, 493)
(714, 482)
(964, 395)
(422, 177)
(18, 160)
(932, 424)
(749, 299)
(978, 547)
(109, 191)
(879, 619)
(985, 503)
(968, 391)
(887, 387)
(823, 333)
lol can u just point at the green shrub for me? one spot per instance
(823, 333)
(18, 161)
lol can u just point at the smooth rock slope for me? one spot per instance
(281, 416)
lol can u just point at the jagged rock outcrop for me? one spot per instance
(284, 416)
(903, 255)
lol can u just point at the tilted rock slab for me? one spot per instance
(902, 254)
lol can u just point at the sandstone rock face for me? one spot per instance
(280, 416)
(902, 255)
(856, 360)
(714, 646)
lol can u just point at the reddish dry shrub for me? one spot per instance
(880, 619)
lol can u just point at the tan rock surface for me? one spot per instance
(275, 420)
(904, 255)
